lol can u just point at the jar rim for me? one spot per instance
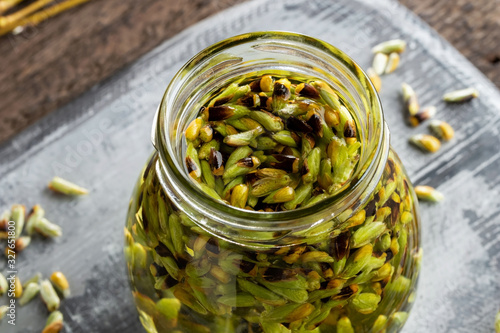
(184, 188)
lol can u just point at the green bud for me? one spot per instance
(367, 233)
(399, 318)
(379, 324)
(285, 138)
(169, 307)
(344, 325)
(365, 303)
(268, 120)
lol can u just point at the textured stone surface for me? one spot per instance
(101, 140)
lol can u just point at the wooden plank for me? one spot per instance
(46, 67)
(473, 27)
(101, 140)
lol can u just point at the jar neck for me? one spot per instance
(276, 53)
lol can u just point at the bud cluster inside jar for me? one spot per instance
(273, 143)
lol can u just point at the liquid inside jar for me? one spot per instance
(271, 143)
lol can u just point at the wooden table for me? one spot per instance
(45, 67)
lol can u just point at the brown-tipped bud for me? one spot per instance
(192, 167)
(410, 99)
(206, 133)
(220, 112)
(422, 115)
(20, 244)
(298, 125)
(4, 220)
(280, 95)
(248, 162)
(442, 129)
(426, 142)
(223, 100)
(288, 163)
(54, 323)
(251, 100)
(307, 90)
(315, 123)
(340, 246)
(350, 129)
(309, 140)
(463, 95)
(203, 113)
(255, 86)
(263, 100)
(216, 162)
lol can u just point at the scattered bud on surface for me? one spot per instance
(462, 95)
(49, 296)
(18, 292)
(442, 129)
(422, 115)
(60, 283)
(63, 186)
(4, 285)
(55, 323)
(37, 213)
(426, 142)
(375, 78)
(48, 229)
(18, 213)
(3, 311)
(410, 99)
(380, 63)
(428, 193)
(29, 293)
(392, 63)
(390, 46)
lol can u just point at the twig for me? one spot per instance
(42, 15)
(22, 13)
(5, 5)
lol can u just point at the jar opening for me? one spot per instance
(275, 53)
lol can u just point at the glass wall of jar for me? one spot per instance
(346, 263)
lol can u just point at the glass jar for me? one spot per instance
(199, 265)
